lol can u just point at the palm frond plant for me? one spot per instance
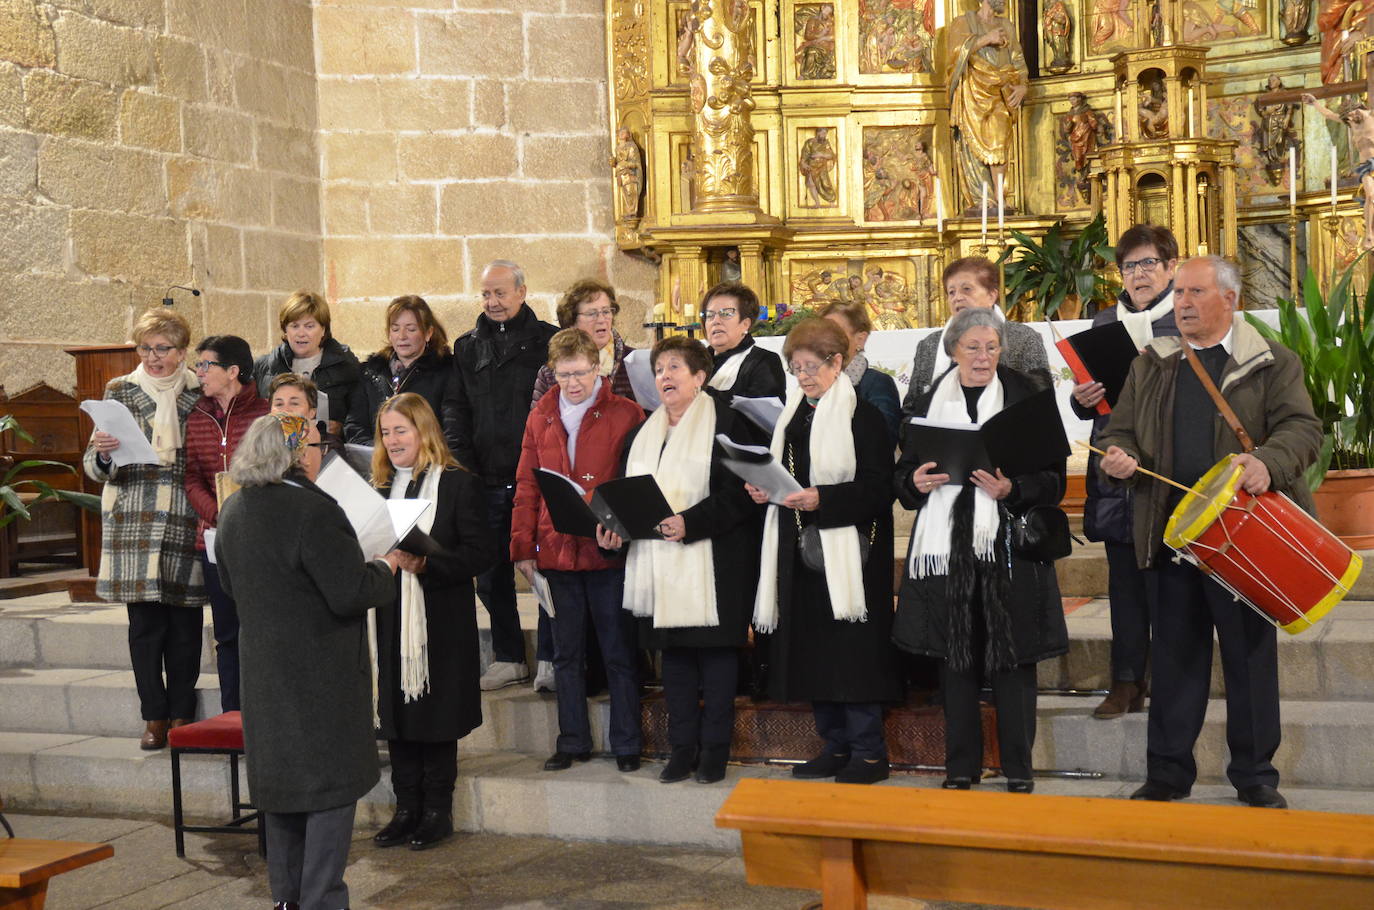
(1060, 268)
(12, 486)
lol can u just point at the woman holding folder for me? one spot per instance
(425, 642)
(695, 586)
(578, 429)
(959, 601)
(825, 585)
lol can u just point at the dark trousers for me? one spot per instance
(1130, 607)
(306, 856)
(580, 598)
(423, 774)
(165, 638)
(854, 728)
(496, 586)
(699, 687)
(543, 638)
(1187, 606)
(225, 614)
(1013, 693)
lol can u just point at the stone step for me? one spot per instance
(89, 702)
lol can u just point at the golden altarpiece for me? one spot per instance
(829, 144)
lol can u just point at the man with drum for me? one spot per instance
(1166, 421)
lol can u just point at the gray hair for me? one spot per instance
(515, 271)
(971, 318)
(1226, 272)
(262, 457)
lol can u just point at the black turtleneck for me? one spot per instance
(1195, 417)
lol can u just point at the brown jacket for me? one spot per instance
(1263, 383)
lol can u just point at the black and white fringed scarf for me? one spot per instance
(973, 580)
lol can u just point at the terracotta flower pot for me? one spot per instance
(1345, 505)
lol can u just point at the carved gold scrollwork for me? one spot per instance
(630, 50)
(722, 67)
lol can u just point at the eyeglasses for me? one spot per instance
(974, 350)
(1148, 264)
(203, 366)
(808, 369)
(574, 374)
(603, 313)
(728, 312)
(161, 350)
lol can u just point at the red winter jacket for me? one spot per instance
(211, 438)
(599, 444)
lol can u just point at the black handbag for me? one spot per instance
(1041, 534)
(813, 556)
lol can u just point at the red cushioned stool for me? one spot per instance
(222, 735)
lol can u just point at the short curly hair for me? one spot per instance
(692, 352)
(569, 343)
(165, 322)
(818, 335)
(582, 292)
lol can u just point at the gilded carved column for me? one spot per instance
(720, 66)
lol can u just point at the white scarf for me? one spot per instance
(723, 379)
(674, 582)
(1140, 325)
(414, 630)
(572, 415)
(942, 361)
(164, 391)
(930, 537)
(832, 461)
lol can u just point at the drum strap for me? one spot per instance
(1246, 443)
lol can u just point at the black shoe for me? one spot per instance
(1262, 796)
(562, 761)
(827, 764)
(711, 767)
(399, 829)
(627, 763)
(680, 764)
(957, 783)
(1157, 792)
(435, 826)
(861, 771)
(1020, 785)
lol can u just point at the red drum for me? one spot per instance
(1263, 549)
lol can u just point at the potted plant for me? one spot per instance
(1060, 274)
(14, 504)
(1335, 342)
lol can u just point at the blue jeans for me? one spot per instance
(225, 614)
(580, 597)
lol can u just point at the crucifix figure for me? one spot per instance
(1360, 122)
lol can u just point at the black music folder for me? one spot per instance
(1022, 438)
(1106, 352)
(631, 507)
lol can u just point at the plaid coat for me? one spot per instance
(148, 530)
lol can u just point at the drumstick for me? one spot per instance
(1147, 473)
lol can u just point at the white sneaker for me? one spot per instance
(543, 678)
(503, 673)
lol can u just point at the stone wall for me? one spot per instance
(454, 132)
(145, 143)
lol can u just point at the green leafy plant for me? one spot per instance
(781, 326)
(1334, 339)
(1051, 271)
(12, 505)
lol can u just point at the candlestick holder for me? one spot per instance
(1293, 252)
(660, 328)
(1332, 223)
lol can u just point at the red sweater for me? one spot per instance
(212, 435)
(599, 443)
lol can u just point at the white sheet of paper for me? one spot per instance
(768, 475)
(762, 411)
(322, 407)
(380, 523)
(114, 418)
(210, 534)
(540, 584)
(642, 379)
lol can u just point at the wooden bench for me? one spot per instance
(26, 865)
(1056, 852)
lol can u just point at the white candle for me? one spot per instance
(1333, 180)
(1292, 176)
(985, 212)
(939, 14)
(1001, 205)
(1120, 135)
(1192, 128)
(939, 202)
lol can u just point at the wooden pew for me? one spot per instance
(1074, 853)
(26, 865)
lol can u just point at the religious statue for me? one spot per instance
(884, 294)
(1057, 27)
(817, 165)
(1294, 16)
(1342, 25)
(687, 173)
(1112, 24)
(923, 181)
(815, 29)
(1275, 133)
(730, 268)
(987, 83)
(1085, 129)
(687, 37)
(629, 174)
(1154, 112)
(1360, 123)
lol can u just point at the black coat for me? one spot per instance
(337, 376)
(427, 377)
(732, 521)
(453, 706)
(1036, 610)
(813, 655)
(289, 559)
(488, 397)
(761, 374)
